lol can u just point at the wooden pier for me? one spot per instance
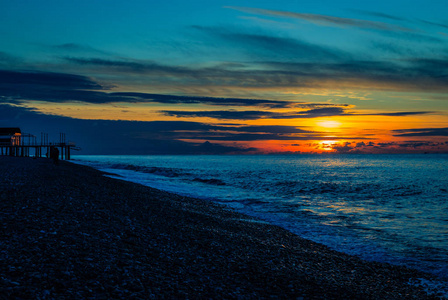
(14, 143)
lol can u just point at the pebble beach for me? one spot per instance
(70, 232)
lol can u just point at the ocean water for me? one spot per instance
(388, 208)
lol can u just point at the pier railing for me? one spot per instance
(26, 145)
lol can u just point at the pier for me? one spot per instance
(15, 143)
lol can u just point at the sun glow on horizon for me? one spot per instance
(328, 145)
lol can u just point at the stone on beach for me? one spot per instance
(69, 232)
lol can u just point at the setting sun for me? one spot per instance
(328, 145)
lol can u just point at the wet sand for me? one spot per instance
(69, 232)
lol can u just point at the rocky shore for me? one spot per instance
(69, 232)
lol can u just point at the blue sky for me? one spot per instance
(328, 61)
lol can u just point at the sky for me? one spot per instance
(228, 77)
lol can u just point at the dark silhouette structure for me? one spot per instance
(15, 143)
(9, 135)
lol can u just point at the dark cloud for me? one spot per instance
(170, 99)
(222, 114)
(415, 74)
(274, 129)
(255, 115)
(324, 19)
(399, 114)
(389, 147)
(19, 86)
(344, 148)
(416, 145)
(47, 79)
(420, 74)
(422, 132)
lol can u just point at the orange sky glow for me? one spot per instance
(286, 78)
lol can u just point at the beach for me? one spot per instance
(69, 232)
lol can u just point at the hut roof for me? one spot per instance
(9, 130)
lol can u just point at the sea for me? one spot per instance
(386, 208)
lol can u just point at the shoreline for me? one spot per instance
(70, 232)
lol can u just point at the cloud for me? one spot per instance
(170, 137)
(156, 137)
(444, 26)
(47, 79)
(415, 74)
(389, 147)
(421, 132)
(343, 148)
(114, 137)
(130, 65)
(398, 114)
(274, 47)
(379, 14)
(19, 86)
(316, 67)
(255, 115)
(274, 129)
(222, 114)
(324, 19)
(8, 59)
(171, 99)
(78, 48)
(421, 74)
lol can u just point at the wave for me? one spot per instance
(166, 172)
(212, 181)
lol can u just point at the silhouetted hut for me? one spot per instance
(10, 136)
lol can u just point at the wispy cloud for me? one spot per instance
(417, 74)
(78, 48)
(414, 74)
(445, 26)
(6, 58)
(256, 115)
(324, 19)
(171, 99)
(422, 132)
(129, 65)
(274, 47)
(379, 14)
(399, 114)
